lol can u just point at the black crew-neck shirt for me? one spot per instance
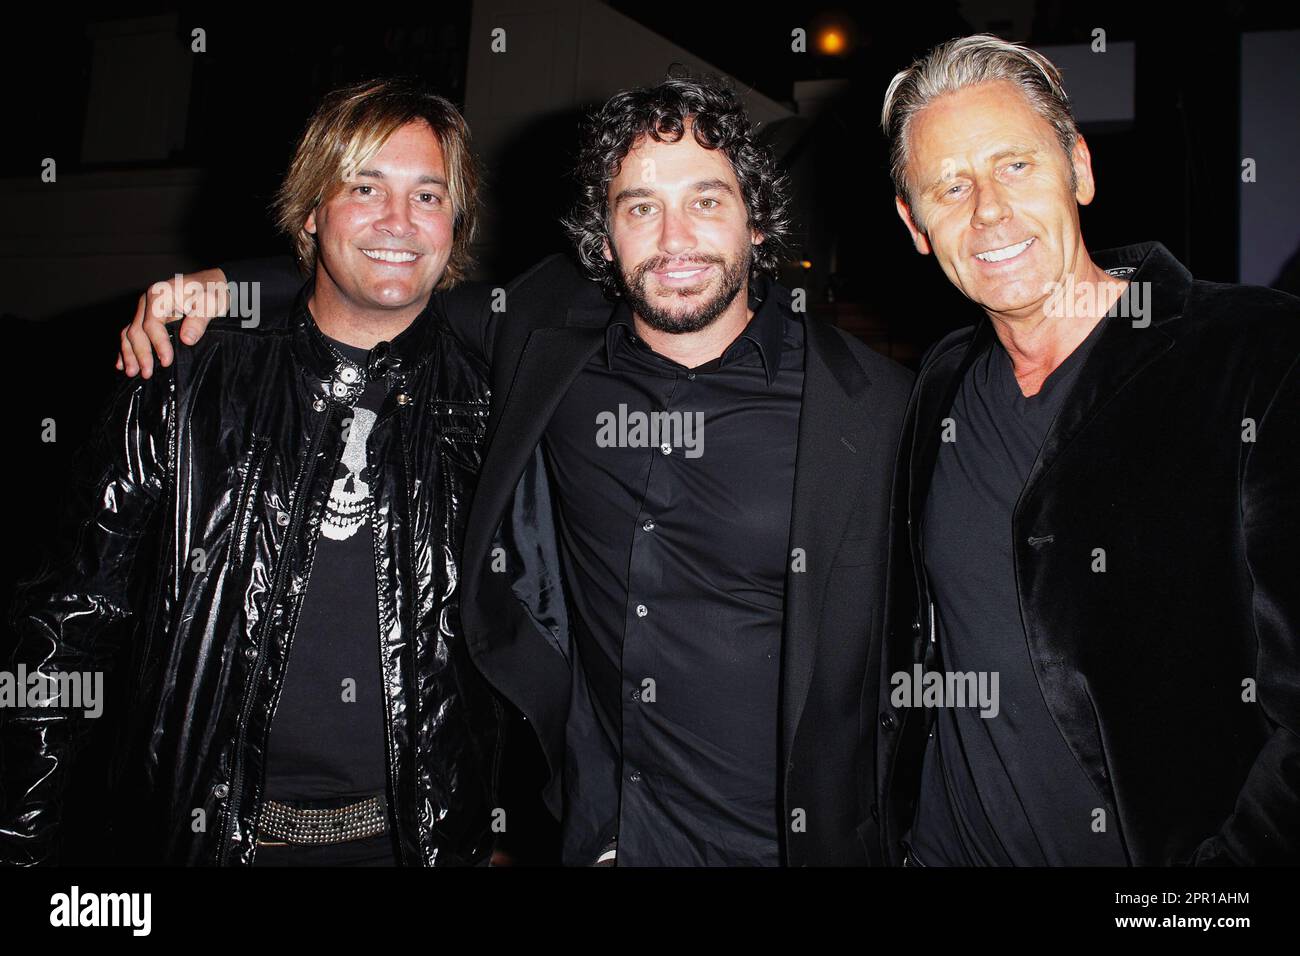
(327, 738)
(1006, 789)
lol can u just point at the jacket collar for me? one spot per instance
(335, 377)
(1163, 283)
(1143, 262)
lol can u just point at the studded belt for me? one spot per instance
(301, 826)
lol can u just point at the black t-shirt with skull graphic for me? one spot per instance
(327, 739)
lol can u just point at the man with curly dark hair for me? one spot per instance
(674, 565)
(716, 119)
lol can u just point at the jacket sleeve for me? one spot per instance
(1264, 827)
(472, 310)
(67, 619)
(278, 281)
(476, 312)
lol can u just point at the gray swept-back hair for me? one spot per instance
(963, 62)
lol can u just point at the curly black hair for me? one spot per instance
(719, 121)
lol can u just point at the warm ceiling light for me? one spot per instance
(831, 42)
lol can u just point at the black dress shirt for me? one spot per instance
(674, 533)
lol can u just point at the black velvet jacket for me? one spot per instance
(1174, 674)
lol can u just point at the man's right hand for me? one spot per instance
(197, 297)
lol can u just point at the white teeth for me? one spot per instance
(387, 255)
(683, 275)
(1010, 252)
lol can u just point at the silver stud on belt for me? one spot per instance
(297, 825)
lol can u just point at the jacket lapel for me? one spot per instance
(935, 390)
(836, 443)
(1120, 354)
(551, 360)
(1124, 348)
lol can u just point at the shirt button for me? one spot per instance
(690, 376)
(649, 524)
(666, 448)
(221, 791)
(634, 776)
(251, 653)
(282, 518)
(642, 610)
(319, 404)
(636, 694)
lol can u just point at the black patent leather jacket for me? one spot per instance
(208, 482)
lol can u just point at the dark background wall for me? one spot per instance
(166, 158)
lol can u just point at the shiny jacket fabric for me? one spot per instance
(209, 482)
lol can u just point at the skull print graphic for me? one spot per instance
(350, 494)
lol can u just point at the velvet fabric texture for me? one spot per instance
(1156, 565)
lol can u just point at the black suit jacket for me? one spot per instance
(1174, 674)
(553, 322)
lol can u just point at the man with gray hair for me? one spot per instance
(1095, 502)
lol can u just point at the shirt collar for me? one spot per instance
(766, 328)
(337, 377)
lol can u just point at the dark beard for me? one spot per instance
(633, 289)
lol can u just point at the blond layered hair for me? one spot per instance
(345, 132)
(964, 62)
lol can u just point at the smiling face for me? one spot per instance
(991, 185)
(385, 236)
(678, 233)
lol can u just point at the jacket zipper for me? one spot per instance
(394, 816)
(295, 518)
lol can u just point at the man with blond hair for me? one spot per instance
(1094, 512)
(289, 499)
